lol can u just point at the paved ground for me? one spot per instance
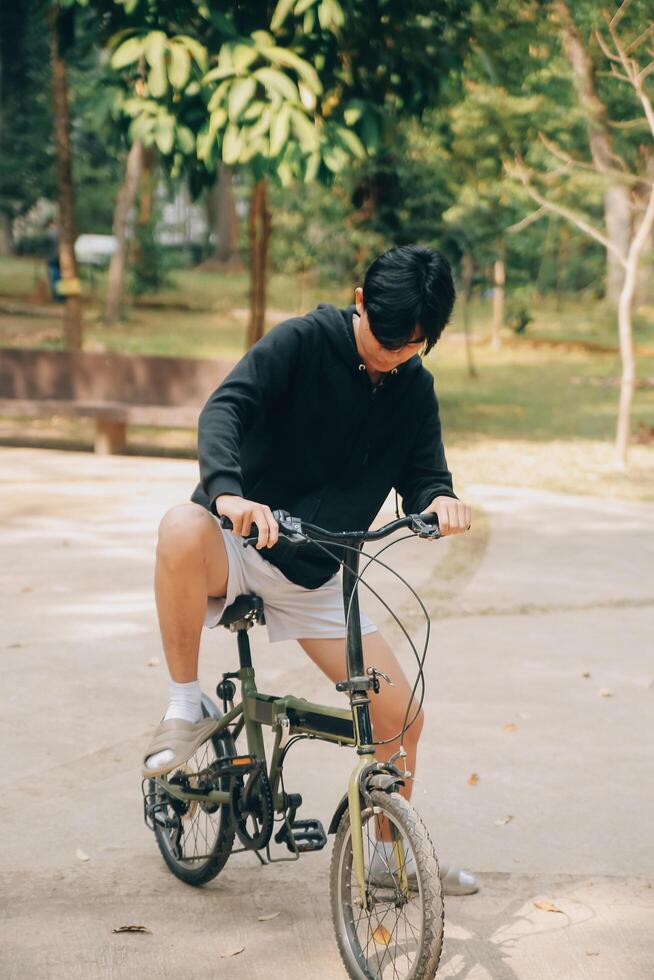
(544, 618)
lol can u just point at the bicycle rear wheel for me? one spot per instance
(195, 839)
(400, 935)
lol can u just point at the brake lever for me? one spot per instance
(424, 530)
(292, 528)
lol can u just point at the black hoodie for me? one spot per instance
(298, 425)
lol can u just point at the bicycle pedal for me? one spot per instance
(305, 835)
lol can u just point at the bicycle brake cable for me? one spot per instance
(420, 680)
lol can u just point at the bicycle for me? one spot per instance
(386, 902)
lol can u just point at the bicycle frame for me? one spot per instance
(290, 715)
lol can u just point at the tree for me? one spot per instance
(59, 24)
(26, 149)
(627, 65)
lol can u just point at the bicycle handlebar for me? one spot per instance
(298, 532)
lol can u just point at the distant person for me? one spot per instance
(323, 417)
(52, 262)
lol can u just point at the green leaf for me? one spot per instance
(279, 130)
(262, 39)
(218, 95)
(285, 173)
(309, 22)
(157, 79)
(262, 124)
(305, 131)
(313, 166)
(351, 141)
(278, 82)
(140, 128)
(283, 56)
(198, 51)
(330, 15)
(232, 144)
(179, 68)
(370, 132)
(185, 140)
(243, 55)
(282, 11)
(240, 93)
(253, 111)
(217, 119)
(353, 111)
(335, 159)
(303, 5)
(164, 135)
(127, 53)
(225, 71)
(155, 48)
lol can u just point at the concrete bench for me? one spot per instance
(116, 390)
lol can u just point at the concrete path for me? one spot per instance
(540, 679)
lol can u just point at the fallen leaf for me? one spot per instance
(473, 779)
(503, 820)
(548, 906)
(585, 673)
(14, 646)
(605, 692)
(81, 855)
(381, 935)
(232, 952)
(132, 929)
(592, 954)
(28, 588)
(267, 918)
(153, 662)
(510, 727)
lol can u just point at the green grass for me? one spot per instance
(538, 414)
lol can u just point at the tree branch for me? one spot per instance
(566, 157)
(529, 220)
(520, 172)
(620, 12)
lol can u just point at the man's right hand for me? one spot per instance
(244, 513)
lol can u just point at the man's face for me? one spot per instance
(375, 355)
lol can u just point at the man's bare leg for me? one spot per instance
(191, 564)
(387, 710)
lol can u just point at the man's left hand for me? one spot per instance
(453, 515)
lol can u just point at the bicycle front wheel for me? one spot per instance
(399, 936)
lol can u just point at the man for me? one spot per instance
(323, 417)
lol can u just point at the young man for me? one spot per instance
(323, 417)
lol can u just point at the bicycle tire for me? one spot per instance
(189, 870)
(375, 960)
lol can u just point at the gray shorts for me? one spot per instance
(292, 612)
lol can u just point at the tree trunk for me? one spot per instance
(6, 244)
(223, 219)
(617, 205)
(623, 428)
(70, 285)
(499, 278)
(259, 225)
(467, 272)
(124, 203)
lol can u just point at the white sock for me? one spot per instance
(384, 859)
(186, 703)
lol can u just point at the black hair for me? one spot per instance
(406, 287)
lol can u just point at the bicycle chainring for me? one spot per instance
(252, 801)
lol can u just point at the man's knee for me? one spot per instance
(182, 534)
(390, 719)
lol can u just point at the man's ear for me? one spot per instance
(358, 300)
